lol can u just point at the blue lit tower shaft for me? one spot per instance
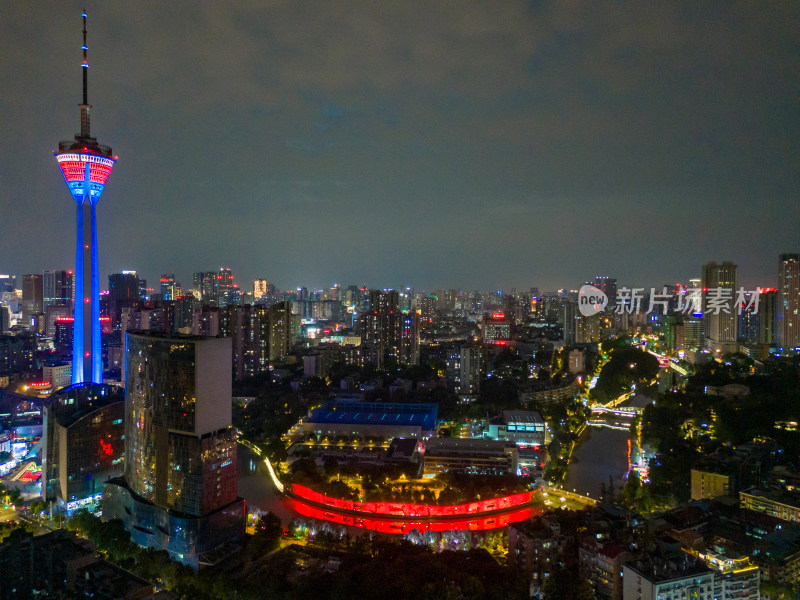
(86, 166)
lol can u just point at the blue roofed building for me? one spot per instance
(347, 417)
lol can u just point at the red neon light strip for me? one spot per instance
(405, 527)
(74, 171)
(400, 509)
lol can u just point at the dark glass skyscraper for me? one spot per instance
(124, 291)
(179, 491)
(86, 166)
(32, 298)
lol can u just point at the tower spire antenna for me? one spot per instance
(85, 133)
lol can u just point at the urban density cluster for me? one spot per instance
(603, 441)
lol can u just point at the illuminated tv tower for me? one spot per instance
(86, 166)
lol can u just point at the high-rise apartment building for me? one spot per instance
(694, 333)
(179, 490)
(280, 330)
(409, 339)
(184, 309)
(593, 328)
(767, 307)
(8, 283)
(18, 353)
(465, 368)
(674, 334)
(32, 297)
(248, 327)
(168, 286)
(144, 291)
(224, 285)
(234, 296)
(5, 319)
(787, 314)
(205, 285)
(53, 312)
(86, 166)
(259, 288)
(381, 327)
(123, 292)
(719, 284)
(57, 288)
(749, 316)
(569, 312)
(608, 285)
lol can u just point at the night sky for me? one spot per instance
(472, 145)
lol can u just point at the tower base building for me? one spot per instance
(195, 541)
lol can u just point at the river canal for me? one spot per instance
(603, 453)
(255, 486)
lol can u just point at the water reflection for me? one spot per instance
(601, 457)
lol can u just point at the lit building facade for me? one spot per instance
(259, 288)
(592, 328)
(787, 314)
(57, 288)
(86, 166)
(280, 330)
(53, 312)
(248, 327)
(59, 375)
(381, 327)
(465, 367)
(179, 490)
(83, 444)
(472, 455)
(496, 329)
(706, 484)
(656, 581)
(523, 427)
(775, 504)
(205, 287)
(608, 285)
(224, 285)
(721, 325)
(168, 286)
(735, 577)
(409, 339)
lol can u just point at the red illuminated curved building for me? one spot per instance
(402, 518)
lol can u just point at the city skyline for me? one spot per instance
(464, 148)
(154, 285)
